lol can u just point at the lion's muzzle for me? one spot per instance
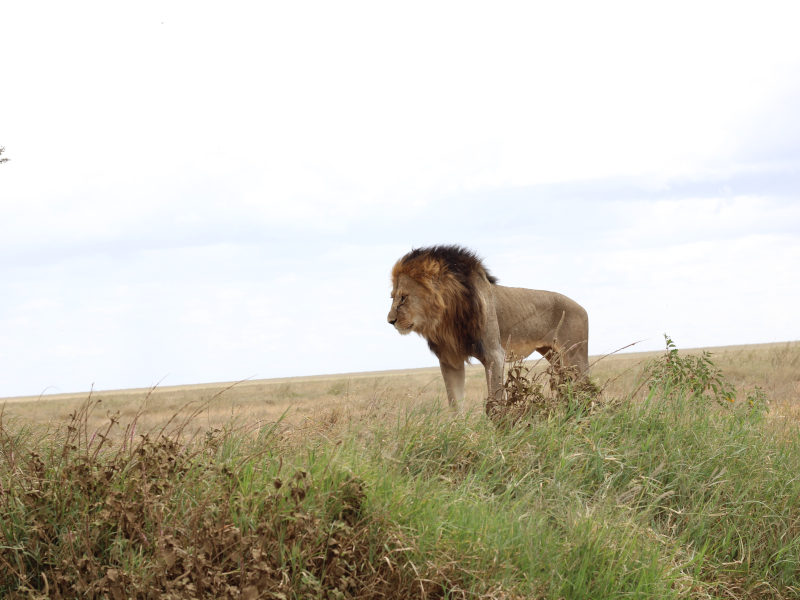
(401, 327)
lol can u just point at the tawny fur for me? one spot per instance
(446, 294)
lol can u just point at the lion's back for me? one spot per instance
(529, 319)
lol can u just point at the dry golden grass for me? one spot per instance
(322, 401)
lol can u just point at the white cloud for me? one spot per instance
(709, 272)
(666, 222)
(363, 103)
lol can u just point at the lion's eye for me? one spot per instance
(403, 299)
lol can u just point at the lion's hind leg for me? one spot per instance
(571, 362)
(548, 353)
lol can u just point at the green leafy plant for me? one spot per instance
(697, 374)
(757, 400)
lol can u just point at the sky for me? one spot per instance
(204, 191)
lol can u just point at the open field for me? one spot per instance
(774, 367)
(665, 486)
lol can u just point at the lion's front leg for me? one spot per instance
(454, 383)
(493, 364)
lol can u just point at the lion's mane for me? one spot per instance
(455, 312)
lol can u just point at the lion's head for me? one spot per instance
(434, 293)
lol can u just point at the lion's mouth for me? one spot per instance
(404, 329)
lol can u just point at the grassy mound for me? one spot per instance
(681, 494)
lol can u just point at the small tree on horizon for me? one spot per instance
(2, 149)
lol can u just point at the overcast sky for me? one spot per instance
(204, 192)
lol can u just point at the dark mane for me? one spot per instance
(451, 274)
(461, 262)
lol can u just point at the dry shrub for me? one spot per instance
(531, 392)
(166, 518)
(525, 394)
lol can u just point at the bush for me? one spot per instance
(696, 374)
(167, 518)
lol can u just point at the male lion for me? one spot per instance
(445, 294)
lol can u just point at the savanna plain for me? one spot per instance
(679, 478)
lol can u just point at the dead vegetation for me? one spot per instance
(152, 516)
(532, 391)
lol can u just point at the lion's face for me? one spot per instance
(410, 310)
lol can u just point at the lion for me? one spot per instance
(446, 295)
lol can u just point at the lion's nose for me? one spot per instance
(392, 321)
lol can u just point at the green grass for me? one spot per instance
(668, 498)
(674, 496)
